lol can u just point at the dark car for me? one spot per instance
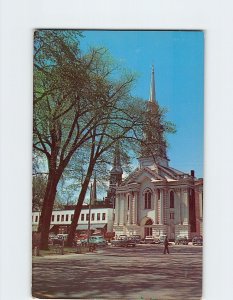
(136, 238)
(181, 240)
(124, 242)
(197, 240)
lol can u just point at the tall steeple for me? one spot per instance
(152, 86)
(152, 104)
(153, 150)
(115, 177)
(116, 172)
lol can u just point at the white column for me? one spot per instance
(164, 206)
(128, 208)
(177, 211)
(161, 207)
(185, 206)
(116, 220)
(121, 217)
(156, 206)
(136, 207)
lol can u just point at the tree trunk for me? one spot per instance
(45, 219)
(78, 207)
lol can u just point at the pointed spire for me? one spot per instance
(117, 161)
(152, 86)
(154, 146)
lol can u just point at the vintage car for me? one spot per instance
(181, 240)
(96, 240)
(124, 241)
(197, 240)
(137, 238)
(150, 240)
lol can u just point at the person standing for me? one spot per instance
(166, 243)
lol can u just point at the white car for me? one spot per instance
(149, 240)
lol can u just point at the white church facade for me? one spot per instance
(157, 199)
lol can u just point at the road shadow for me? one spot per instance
(138, 273)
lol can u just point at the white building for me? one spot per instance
(157, 199)
(101, 219)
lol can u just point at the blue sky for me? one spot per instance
(178, 59)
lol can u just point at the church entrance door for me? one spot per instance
(148, 228)
(148, 231)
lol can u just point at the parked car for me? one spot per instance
(122, 237)
(124, 242)
(197, 240)
(137, 238)
(97, 240)
(181, 240)
(62, 236)
(149, 240)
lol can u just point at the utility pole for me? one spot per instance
(89, 219)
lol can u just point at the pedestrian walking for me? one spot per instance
(166, 243)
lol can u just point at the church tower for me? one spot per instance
(153, 148)
(115, 177)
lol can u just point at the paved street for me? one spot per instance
(142, 272)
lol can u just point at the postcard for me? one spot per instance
(117, 208)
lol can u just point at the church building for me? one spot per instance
(156, 199)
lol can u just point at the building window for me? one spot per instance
(92, 217)
(103, 216)
(87, 217)
(52, 218)
(36, 220)
(147, 198)
(113, 217)
(62, 218)
(172, 216)
(72, 216)
(149, 222)
(58, 218)
(82, 217)
(67, 218)
(98, 216)
(128, 201)
(158, 193)
(171, 199)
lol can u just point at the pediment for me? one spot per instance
(145, 174)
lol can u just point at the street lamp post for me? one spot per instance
(89, 219)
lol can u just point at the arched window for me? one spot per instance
(149, 222)
(147, 199)
(171, 199)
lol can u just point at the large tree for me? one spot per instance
(79, 99)
(82, 104)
